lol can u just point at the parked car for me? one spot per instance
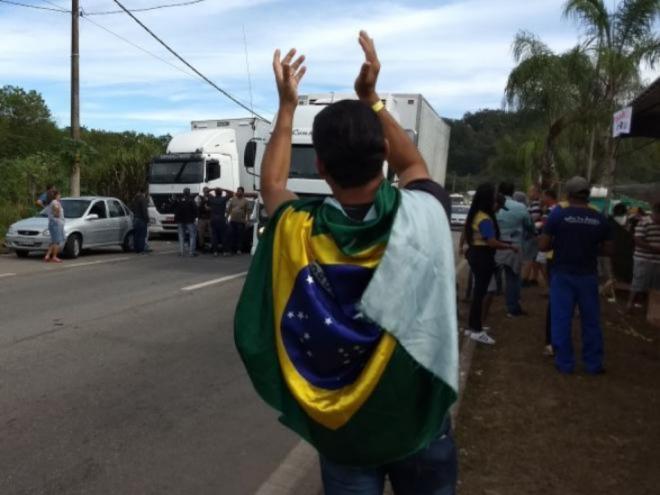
(89, 222)
(459, 215)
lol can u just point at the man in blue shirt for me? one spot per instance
(44, 197)
(514, 221)
(578, 234)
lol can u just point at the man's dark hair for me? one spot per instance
(349, 140)
(619, 210)
(49, 186)
(507, 188)
(551, 193)
(240, 188)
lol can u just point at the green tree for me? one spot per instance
(619, 41)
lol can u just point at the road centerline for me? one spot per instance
(3, 275)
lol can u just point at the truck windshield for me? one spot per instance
(303, 163)
(188, 172)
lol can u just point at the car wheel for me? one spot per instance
(128, 245)
(73, 246)
(22, 253)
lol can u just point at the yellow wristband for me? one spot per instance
(378, 106)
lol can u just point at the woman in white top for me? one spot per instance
(55, 227)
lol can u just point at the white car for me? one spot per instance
(89, 222)
(459, 215)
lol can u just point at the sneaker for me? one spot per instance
(482, 337)
(548, 351)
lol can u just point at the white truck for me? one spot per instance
(210, 155)
(412, 111)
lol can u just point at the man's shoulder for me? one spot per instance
(431, 187)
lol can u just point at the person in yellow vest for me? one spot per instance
(482, 235)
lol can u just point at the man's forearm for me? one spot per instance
(403, 157)
(277, 157)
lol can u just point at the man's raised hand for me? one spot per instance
(365, 83)
(288, 76)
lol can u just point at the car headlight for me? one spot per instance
(46, 233)
(11, 230)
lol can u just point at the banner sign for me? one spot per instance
(622, 122)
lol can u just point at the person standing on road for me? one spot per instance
(576, 233)
(646, 257)
(45, 197)
(238, 208)
(185, 212)
(203, 218)
(218, 207)
(140, 221)
(352, 339)
(549, 204)
(515, 223)
(55, 226)
(482, 235)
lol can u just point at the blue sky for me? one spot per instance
(456, 52)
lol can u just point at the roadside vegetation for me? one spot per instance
(35, 152)
(560, 105)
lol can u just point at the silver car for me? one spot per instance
(89, 222)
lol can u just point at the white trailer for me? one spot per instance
(210, 155)
(412, 111)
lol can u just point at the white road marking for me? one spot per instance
(89, 263)
(3, 275)
(215, 281)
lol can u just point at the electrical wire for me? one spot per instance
(147, 9)
(19, 4)
(135, 45)
(190, 66)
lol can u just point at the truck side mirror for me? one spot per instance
(250, 154)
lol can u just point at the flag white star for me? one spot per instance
(309, 353)
(306, 336)
(340, 350)
(290, 314)
(301, 315)
(309, 279)
(348, 361)
(328, 322)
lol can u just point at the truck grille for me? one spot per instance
(163, 202)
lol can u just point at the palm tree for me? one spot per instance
(618, 41)
(558, 85)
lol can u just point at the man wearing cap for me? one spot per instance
(577, 234)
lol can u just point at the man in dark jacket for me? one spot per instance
(185, 213)
(140, 221)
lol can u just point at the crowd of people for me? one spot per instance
(219, 215)
(519, 240)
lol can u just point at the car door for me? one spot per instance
(120, 221)
(95, 230)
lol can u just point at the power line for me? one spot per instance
(125, 40)
(19, 4)
(146, 9)
(228, 95)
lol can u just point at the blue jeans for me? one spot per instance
(431, 471)
(565, 292)
(139, 234)
(183, 229)
(512, 292)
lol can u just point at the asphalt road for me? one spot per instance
(116, 380)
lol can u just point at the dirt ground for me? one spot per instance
(526, 429)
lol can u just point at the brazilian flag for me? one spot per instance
(312, 325)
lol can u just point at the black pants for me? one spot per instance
(139, 234)
(482, 263)
(218, 230)
(235, 232)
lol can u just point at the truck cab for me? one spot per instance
(210, 155)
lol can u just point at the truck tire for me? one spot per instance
(73, 246)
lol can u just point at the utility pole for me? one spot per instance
(74, 182)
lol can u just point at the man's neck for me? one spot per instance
(578, 204)
(358, 195)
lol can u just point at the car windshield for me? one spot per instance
(303, 163)
(182, 172)
(73, 208)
